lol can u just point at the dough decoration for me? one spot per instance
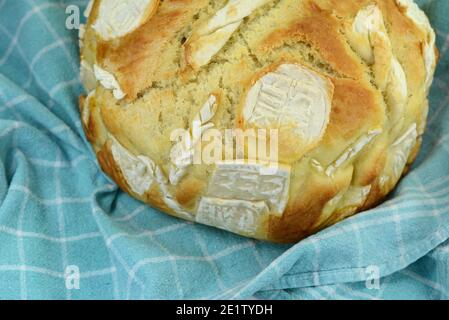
(108, 81)
(116, 18)
(291, 97)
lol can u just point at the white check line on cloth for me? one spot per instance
(226, 252)
(14, 102)
(147, 233)
(15, 125)
(42, 52)
(25, 234)
(445, 47)
(52, 202)
(55, 274)
(59, 164)
(356, 293)
(112, 251)
(20, 245)
(61, 221)
(70, 59)
(131, 215)
(211, 262)
(25, 18)
(435, 286)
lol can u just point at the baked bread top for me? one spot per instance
(343, 84)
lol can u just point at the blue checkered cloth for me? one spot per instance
(61, 217)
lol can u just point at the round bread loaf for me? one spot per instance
(341, 86)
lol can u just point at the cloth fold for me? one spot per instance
(68, 232)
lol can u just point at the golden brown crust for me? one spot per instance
(319, 28)
(137, 70)
(376, 116)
